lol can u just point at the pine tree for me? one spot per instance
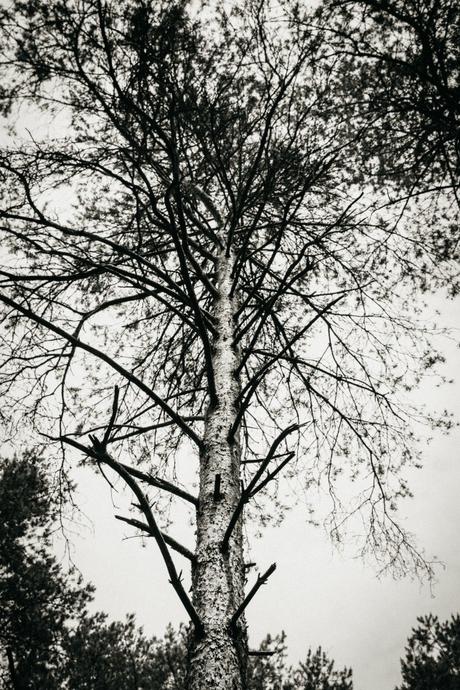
(36, 598)
(432, 660)
(190, 270)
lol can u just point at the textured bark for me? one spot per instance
(218, 660)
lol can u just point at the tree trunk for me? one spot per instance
(219, 659)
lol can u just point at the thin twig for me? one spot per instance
(108, 431)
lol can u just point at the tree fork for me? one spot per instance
(219, 659)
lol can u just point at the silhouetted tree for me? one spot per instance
(189, 266)
(432, 660)
(317, 672)
(48, 639)
(36, 599)
(118, 656)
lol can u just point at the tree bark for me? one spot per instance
(219, 659)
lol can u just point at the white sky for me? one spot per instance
(317, 595)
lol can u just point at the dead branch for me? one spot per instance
(261, 580)
(175, 579)
(161, 484)
(177, 546)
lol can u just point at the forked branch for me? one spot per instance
(272, 475)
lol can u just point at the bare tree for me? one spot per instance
(187, 266)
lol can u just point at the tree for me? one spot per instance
(118, 656)
(318, 672)
(36, 598)
(432, 659)
(189, 269)
(315, 673)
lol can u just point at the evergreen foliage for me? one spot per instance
(432, 660)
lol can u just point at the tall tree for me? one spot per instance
(188, 267)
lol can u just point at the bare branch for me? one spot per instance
(273, 474)
(111, 362)
(175, 579)
(261, 580)
(161, 484)
(143, 526)
(248, 491)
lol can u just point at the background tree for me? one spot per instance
(118, 655)
(432, 659)
(317, 672)
(48, 638)
(37, 600)
(189, 269)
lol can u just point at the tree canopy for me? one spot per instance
(396, 70)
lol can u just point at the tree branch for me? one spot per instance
(161, 484)
(169, 540)
(261, 580)
(108, 360)
(248, 491)
(272, 475)
(175, 579)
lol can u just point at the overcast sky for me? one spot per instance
(317, 595)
